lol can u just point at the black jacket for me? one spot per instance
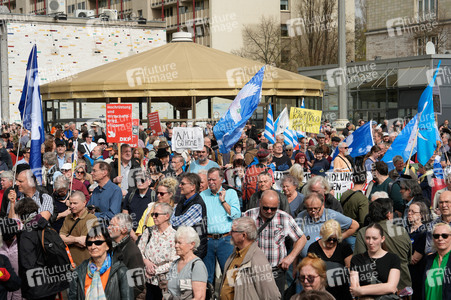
(128, 253)
(117, 287)
(201, 227)
(114, 169)
(13, 283)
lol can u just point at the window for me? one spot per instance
(140, 13)
(283, 30)
(421, 44)
(183, 10)
(199, 5)
(283, 4)
(81, 5)
(426, 7)
(285, 56)
(168, 12)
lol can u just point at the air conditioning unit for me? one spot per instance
(111, 13)
(56, 6)
(84, 13)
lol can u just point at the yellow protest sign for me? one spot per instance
(307, 120)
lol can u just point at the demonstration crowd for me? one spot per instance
(149, 223)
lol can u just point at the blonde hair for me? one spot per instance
(297, 171)
(330, 228)
(170, 183)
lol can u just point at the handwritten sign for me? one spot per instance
(154, 123)
(119, 123)
(306, 120)
(187, 138)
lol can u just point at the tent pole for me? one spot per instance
(193, 108)
(119, 152)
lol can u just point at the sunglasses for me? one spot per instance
(443, 235)
(162, 194)
(266, 208)
(81, 172)
(310, 278)
(155, 215)
(97, 243)
(332, 240)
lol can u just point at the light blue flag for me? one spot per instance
(269, 127)
(404, 144)
(302, 104)
(359, 142)
(290, 137)
(30, 107)
(228, 130)
(426, 123)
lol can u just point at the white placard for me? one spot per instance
(187, 138)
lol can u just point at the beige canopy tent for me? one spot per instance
(178, 69)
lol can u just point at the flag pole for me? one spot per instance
(411, 150)
(119, 152)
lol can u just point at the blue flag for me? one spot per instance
(302, 104)
(359, 142)
(404, 144)
(269, 127)
(291, 137)
(426, 123)
(30, 107)
(228, 130)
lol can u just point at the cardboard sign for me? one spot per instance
(119, 123)
(187, 138)
(154, 123)
(306, 120)
(135, 133)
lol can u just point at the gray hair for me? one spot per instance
(314, 181)
(202, 172)
(397, 158)
(289, 146)
(125, 221)
(280, 136)
(165, 207)
(79, 195)
(189, 235)
(50, 158)
(61, 182)
(297, 171)
(342, 144)
(291, 179)
(8, 175)
(379, 195)
(247, 225)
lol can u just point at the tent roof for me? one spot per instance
(178, 69)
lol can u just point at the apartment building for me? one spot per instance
(401, 28)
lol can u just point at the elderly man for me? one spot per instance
(320, 185)
(411, 192)
(251, 176)
(60, 153)
(97, 154)
(125, 249)
(281, 160)
(223, 206)
(107, 196)
(60, 202)
(76, 226)
(52, 170)
(27, 185)
(265, 183)
(439, 192)
(274, 226)
(400, 169)
(7, 180)
(248, 273)
(315, 215)
(176, 169)
(127, 164)
(341, 163)
(202, 161)
(251, 151)
(88, 143)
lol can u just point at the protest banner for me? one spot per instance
(278, 175)
(187, 138)
(135, 133)
(119, 123)
(306, 120)
(154, 123)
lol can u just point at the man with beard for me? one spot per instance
(283, 162)
(202, 161)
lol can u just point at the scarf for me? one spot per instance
(95, 291)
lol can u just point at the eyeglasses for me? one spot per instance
(236, 231)
(97, 243)
(162, 194)
(155, 215)
(313, 208)
(332, 240)
(345, 147)
(310, 278)
(266, 208)
(184, 183)
(436, 236)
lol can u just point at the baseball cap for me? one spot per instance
(59, 143)
(320, 135)
(101, 141)
(66, 166)
(318, 171)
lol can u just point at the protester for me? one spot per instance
(246, 263)
(320, 185)
(52, 170)
(371, 157)
(9, 230)
(188, 268)
(157, 246)
(251, 175)
(75, 184)
(202, 162)
(264, 184)
(101, 276)
(282, 161)
(400, 169)
(444, 206)
(294, 198)
(127, 164)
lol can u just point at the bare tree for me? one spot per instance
(262, 42)
(360, 30)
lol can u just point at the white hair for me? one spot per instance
(379, 195)
(188, 235)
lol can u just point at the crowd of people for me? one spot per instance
(260, 222)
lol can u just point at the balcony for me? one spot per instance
(158, 3)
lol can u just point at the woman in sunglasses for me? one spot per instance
(375, 272)
(157, 246)
(336, 254)
(312, 276)
(101, 276)
(82, 176)
(436, 280)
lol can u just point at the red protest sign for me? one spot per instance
(154, 123)
(119, 123)
(135, 133)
